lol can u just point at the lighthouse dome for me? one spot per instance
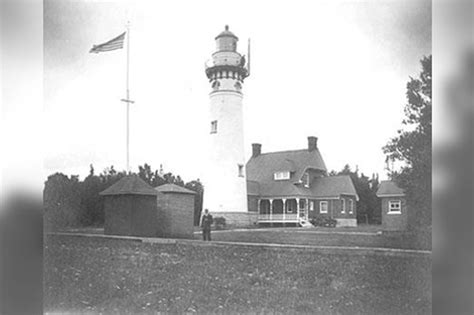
(226, 33)
(226, 40)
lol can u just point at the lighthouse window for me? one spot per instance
(241, 170)
(215, 85)
(238, 86)
(214, 126)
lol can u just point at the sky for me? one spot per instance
(336, 70)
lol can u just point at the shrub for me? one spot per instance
(219, 223)
(324, 221)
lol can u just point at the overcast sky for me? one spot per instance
(336, 70)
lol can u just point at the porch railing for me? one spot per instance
(278, 217)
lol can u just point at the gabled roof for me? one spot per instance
(262, 167)
(172, 188)
(253, 188)
(333, 186)
(389, 188)
(130, 185)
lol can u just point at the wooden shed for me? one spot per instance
(175, 211)
(394, 206)
(130, 208)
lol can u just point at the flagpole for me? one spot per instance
(128, 97)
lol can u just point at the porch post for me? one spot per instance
(271, 209)
(258, 206)
(297, 208)
(306, 214)
(284, 208)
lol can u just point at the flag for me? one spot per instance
(113, 44)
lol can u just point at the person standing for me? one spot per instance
(206, 222)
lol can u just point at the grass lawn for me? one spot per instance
(92, 275)
(322, 236)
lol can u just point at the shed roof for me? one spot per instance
(172, 188)
(130, 185)
(389, 188)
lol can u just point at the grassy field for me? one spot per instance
(93, 275)
(324, 237)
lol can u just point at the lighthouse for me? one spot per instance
(225, 185)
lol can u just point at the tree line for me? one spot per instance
(70, 202)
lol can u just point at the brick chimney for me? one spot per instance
(312, 143)
(256, 149)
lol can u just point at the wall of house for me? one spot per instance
(176, 215)
(252, 203)
(334, 211)
(393, 221)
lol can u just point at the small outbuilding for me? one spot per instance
(175, 211)
(394, 207)
(130, 208)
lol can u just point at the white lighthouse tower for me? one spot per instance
(225, 187)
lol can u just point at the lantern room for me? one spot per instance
(226, 40)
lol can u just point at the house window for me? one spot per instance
(351, 206)
(240, 170)
(281, 175)
(394, 206)
(305, 180)
(311, 206)
(323, 207)
(343, 205)
(214, 126)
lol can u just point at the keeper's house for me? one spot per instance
(293, 187)
(394, 207)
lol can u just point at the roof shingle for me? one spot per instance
(333, 186)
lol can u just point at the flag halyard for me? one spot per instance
(113, 44)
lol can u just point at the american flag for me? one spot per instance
(113, 44)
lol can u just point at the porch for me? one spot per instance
(284, 210)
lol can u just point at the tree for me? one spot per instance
(412, 148)
(61, 202)
(196, 185)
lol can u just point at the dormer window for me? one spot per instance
(305, 180)
(281, 175)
